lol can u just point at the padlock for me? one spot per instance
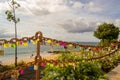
(35, 67)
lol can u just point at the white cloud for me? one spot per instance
(79, 25)
(92, 7)
(57, 17)
(4, 6)
(45, 7)
(5, 34)
(117, 22)
(40, 7)
(78, 5)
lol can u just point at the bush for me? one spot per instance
(108, 64)
(21, 63)
(6, 67)
(10, 67)
(69, 56)
(82, 71)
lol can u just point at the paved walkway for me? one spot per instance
(114, 74)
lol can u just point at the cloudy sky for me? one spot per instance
(69, 20)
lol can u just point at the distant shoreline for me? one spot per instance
(26, 52)
(27, 60)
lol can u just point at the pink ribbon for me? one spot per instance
(22, 72)
(21, 42)
(62, 44)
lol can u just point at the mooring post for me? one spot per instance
(38, 58)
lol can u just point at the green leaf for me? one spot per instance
(18, 5)
(18, 19)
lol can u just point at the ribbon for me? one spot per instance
(5, 45)
(17, 43)
(31, 67)
(21, 42)
(29, 41)
(13, 45)
(22, 72)
(34, 42)
(70, 45)
(49, 41)
(25, 44)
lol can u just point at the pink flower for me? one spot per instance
(43, 64)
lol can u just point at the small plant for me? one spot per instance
(6, 67)
(21, 63)
(108, 64)
(9, 67)
(69, 56)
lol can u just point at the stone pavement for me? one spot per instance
(114, 74)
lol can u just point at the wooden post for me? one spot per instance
(2, 41)
(38, 58)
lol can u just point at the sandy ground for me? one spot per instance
(48, 57)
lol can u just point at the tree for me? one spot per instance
(107, 33)
(11, 16)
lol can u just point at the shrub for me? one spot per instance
(21, 63)
(6, 67)
(108, 64)
(82, 71)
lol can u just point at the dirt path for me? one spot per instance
(114, 74)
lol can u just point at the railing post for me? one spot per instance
(38, 58)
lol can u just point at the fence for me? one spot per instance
(40, 40)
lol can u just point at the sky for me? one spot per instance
(67, 20)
